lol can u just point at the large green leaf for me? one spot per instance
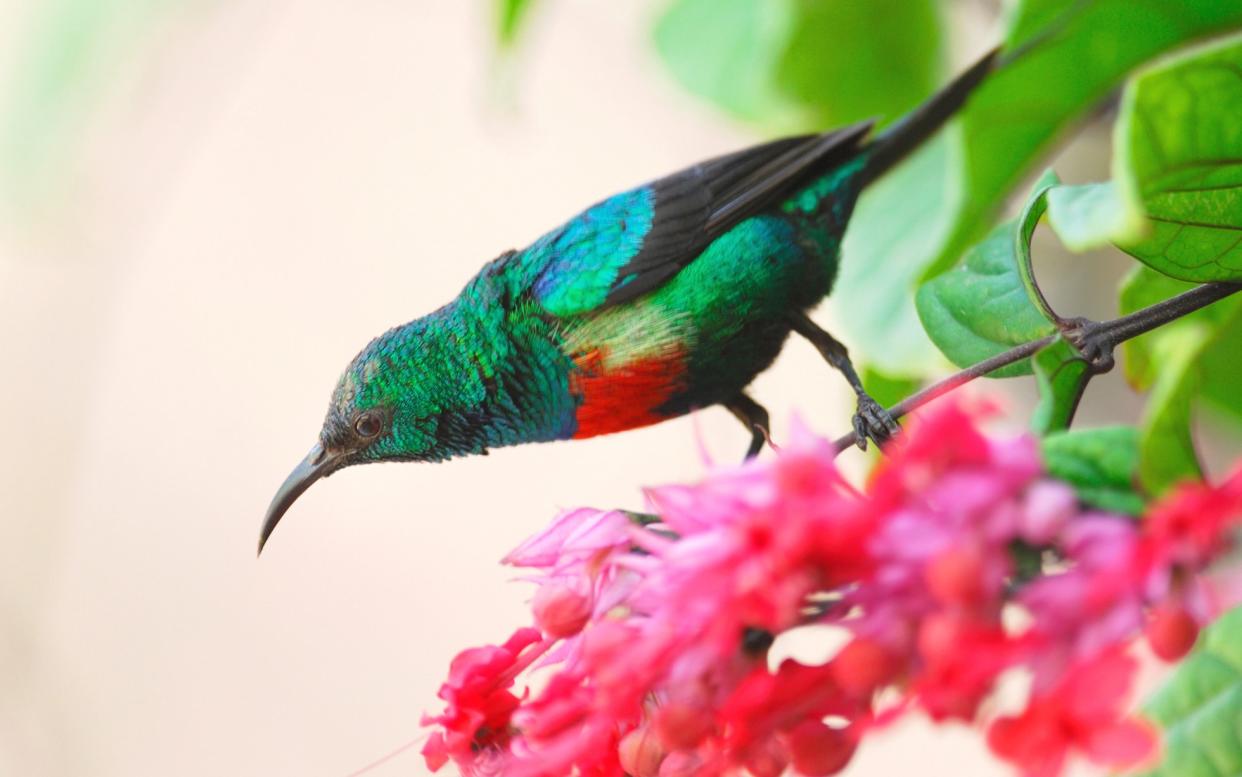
(1200, 707)
(1179, 158)
(881, 263)
(803, 64)
(981, 308)
(884, 59)
(989, 303)
(1019, 113)
(1101, 464)
(729, 52)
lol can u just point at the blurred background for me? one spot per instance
(209, 207)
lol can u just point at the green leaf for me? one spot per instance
(1017, 116)
(1221, 365)
(874, 292)
(1032, 212)
(1196, 357)
(510, 15)
(1101, 464)
(989, 303)
(883, 59)
(1179, 159)
(729, 51)
(1200, 707)
(795, 65)
(1166, 449)
(1142, 288)
(1093, 215)
(887, 389)
(1061, 374)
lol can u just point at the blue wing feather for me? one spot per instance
(581, 259)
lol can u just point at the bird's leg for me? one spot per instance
(871, 420)
(754, 417)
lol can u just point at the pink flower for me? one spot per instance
(574, 570)
(1093, 604)
(1048, 507)
(562, 733)
(1189, 526)
(575, 538)
(960, 661)
(1083, 713)
(950, 503)
(654, 637)
(475, 726)
(765, 703)
(761, 540)
(1183, 532)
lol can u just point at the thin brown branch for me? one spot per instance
(1102, 336)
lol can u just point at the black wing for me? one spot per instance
(699, 204)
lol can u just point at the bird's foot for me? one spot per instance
(755, 417)
(873, 422)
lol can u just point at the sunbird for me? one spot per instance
(655, 302)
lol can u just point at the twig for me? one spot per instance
(1101, 336)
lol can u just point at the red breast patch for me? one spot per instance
(625, 396)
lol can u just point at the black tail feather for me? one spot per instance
(908, 133)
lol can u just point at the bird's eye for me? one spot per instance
(368, 424)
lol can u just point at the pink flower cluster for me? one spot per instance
(651, 639)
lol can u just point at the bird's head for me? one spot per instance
(383, 409)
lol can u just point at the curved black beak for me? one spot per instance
(317, 464)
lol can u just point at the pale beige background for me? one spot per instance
(269, 185)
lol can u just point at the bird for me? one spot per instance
(655, 302)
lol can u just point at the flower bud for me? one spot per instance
(682, 726)
(640, 753)
(956, 576)
(560, 611)
(862, 666)
(939, 636)
(768, 758)
(1171, 631)
(1049, 506)
(682, 763)
(817, 749)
